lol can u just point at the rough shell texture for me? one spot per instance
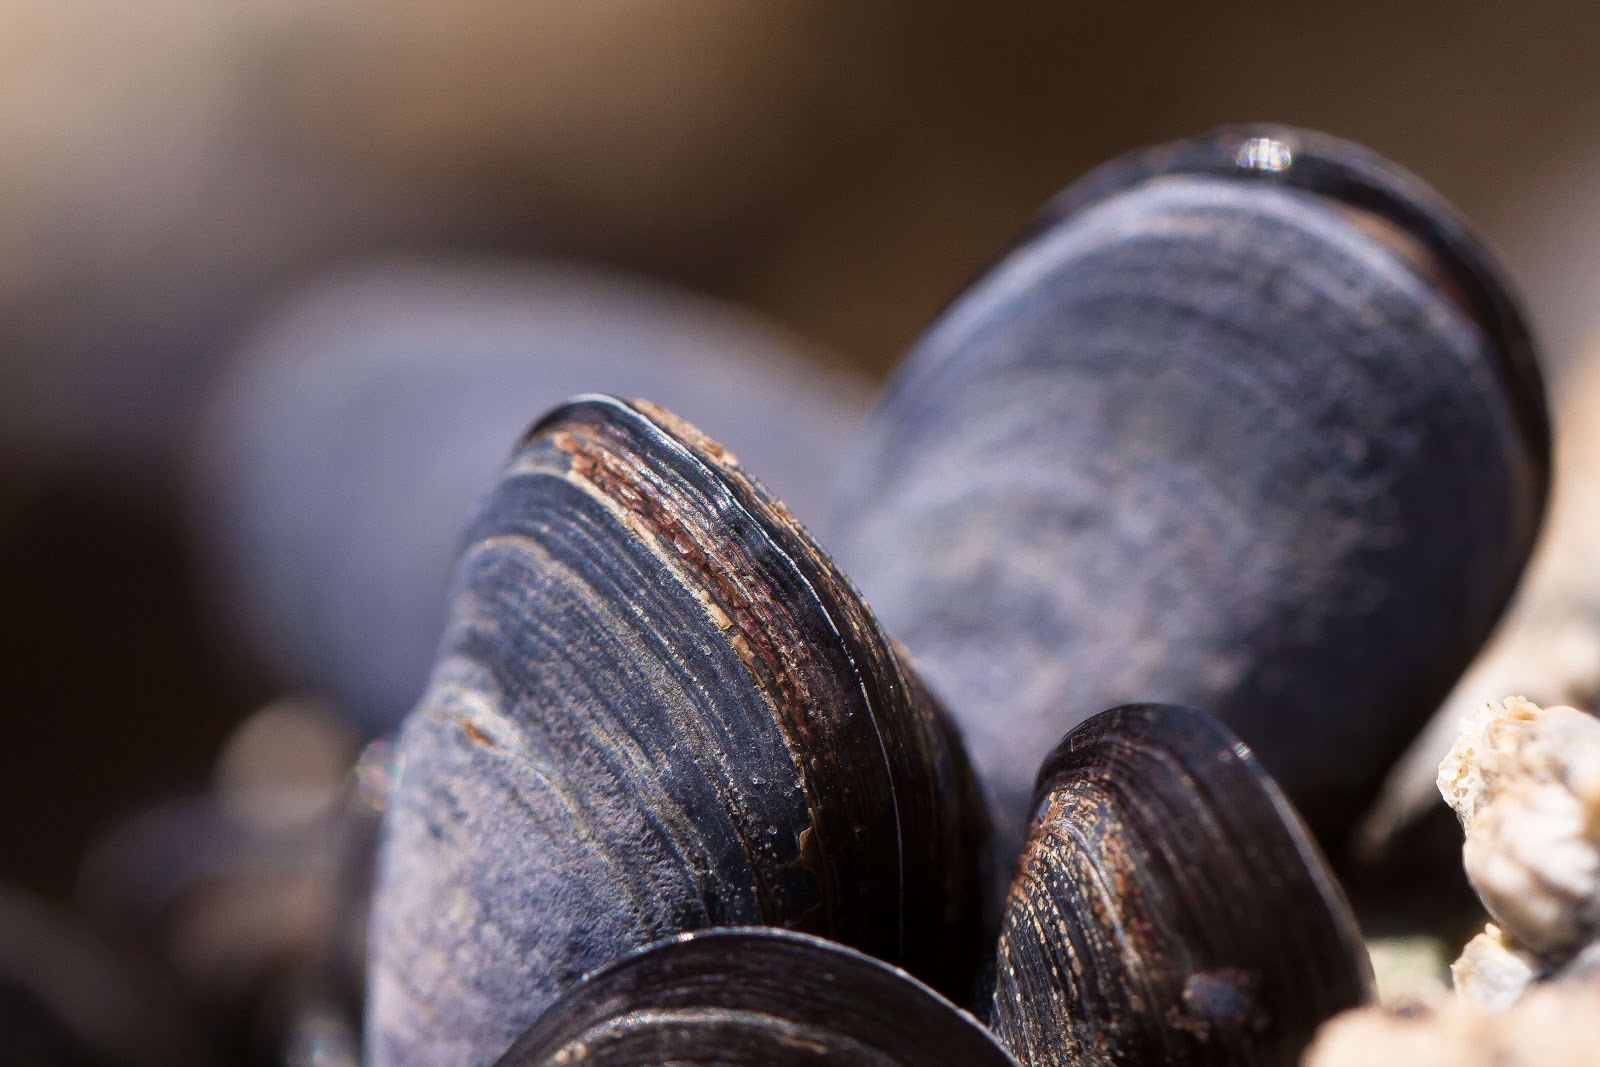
(1247, 423)
(1170, 908)
(658, 708)
(1492, 975)
(1525, 783)
(754, 997)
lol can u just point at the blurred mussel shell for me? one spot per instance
(754, 997)
(658, 708)
(253, 894)
(361, 421)
(1170, 907)
(70, 997)
(1248, 423)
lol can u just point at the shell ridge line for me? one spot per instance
(802, 1036)
(739, 815)
(683, 575)
(1253, 840)
(1036, 920)
(708, 748)
(723, 497)
(1152, 812)
(1315, 864)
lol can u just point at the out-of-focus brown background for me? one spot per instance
(170, 169)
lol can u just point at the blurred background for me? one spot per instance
(263, 262)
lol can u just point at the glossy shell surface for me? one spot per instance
(1247, 423)
(754, 997)
(658, 708)
(1170, 907)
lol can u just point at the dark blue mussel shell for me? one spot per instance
(1170, 907)
(658, 708)
(1247, 422)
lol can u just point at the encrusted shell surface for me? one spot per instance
(1170, 907)
(754, 997)
(1525, 783)
(658, 708)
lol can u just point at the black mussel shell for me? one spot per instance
(1248, 422)
(1170, 907)
(754, 997)
(658, 707)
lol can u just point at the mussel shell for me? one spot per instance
(1170, 907)
(754, 997)
(658, 708)
(1247, 423)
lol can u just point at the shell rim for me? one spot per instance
(1356, 177)
(731, 936)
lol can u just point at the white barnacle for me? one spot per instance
(1525, 783)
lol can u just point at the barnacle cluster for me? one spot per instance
(1525, 783)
